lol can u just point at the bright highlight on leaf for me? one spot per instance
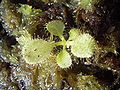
(36, 51)
(83, 46)
(64, 59)
(73, 34)
(56, 27)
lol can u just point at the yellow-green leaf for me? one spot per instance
(83, 46)
(64, 59)
(56, 27)
(36, 51)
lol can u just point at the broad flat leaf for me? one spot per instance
(56, 27)
(36, 51)
(64, 59)
(83, 46)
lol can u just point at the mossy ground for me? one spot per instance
(102, 23)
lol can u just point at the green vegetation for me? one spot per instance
(59, 44)
(37, 50)
(82, 45)
(56, 28)
(25, 9)
(86, 5)
(64, 59)
(89, 82)
(29, 16)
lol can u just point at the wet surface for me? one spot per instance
(103, 23)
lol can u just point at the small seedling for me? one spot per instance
(38, 50)
(82, 45)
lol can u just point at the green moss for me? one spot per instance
(89, 82)
(10, 54)
(86, 5)
(55, 1)
(25, 9)
(29, 17)
(9, 15)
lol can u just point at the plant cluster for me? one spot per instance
(36, 56)
(37, 50)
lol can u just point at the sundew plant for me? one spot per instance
(38, 50)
